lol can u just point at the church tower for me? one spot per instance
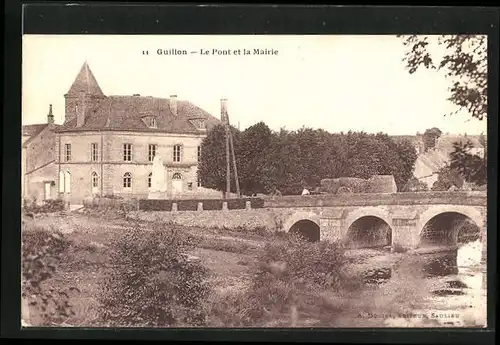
(83, 96)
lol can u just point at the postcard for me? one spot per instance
(269, 181)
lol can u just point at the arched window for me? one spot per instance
(127, 180)
(67, 182)
(149, 179)
(95, 180)
(61, 181)
(177, 176)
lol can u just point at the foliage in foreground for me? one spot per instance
(288, 284)
(465, 63)
(152, 282)
(42, 252)
(51, 205)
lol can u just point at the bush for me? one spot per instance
(152, 282)
(155, 205)
(51, 205)
(112, 196)
(289, 280)
(42, 253)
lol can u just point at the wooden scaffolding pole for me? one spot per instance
(228, 165)
(234, 165)
(230, 154)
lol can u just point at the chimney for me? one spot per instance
(80, 114)
(173, 104)
(223, 109)
(50, 116)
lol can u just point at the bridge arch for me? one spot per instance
(304, 223)
(442, 225)
(367, 227)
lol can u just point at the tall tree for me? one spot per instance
(254, 151)
(398, 159)
(465, 62)
(430, 137)
(212, 165)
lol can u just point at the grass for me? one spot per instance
(233, 257)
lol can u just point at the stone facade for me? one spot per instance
(111, 168)
(85, 156)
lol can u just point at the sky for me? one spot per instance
(335, 82)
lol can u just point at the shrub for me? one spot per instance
(214, 204)
(112, 196)
(42, 253)
(152, 282)
(50, 205)
(289, 280)
(155, 205)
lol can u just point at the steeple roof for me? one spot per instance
(85, 82)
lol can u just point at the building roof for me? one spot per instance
(85, 82)
(126, 113)
(31, 130)
(40, 128)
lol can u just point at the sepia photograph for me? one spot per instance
(254, 181)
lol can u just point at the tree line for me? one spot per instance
(288, 160)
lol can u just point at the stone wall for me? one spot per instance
(249, 219)
(471, 198)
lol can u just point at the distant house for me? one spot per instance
(429, 163)
(38, 170)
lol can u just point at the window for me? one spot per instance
(67, 182)
(151, 152)
(177, 176)
(95, 152)
(127, 180)
(190, 186)
(95, 180)
(177, 153)
(149, 179)
(152, 122)
(199, 153)
(67, 152)
(198, 181)
(127, 152)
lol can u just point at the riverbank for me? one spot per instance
(389, 300)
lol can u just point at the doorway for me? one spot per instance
(177, 183)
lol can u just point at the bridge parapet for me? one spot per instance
(470, 198)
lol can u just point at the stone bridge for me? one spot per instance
(401, 220)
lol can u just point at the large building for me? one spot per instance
(106, 145)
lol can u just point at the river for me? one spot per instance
(448, 296)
